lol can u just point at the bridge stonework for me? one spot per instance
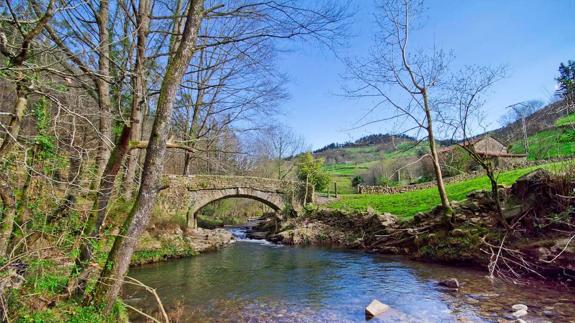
(186, 195)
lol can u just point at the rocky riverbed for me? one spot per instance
(539, 243)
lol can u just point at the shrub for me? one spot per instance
(356, 181)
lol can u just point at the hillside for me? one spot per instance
(551, 134)
(545, 118)
(364, 149)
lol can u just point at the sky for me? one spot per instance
(530, 37)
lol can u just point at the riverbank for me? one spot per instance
(539, 242)
(160, 244)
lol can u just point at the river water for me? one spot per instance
(256, 281)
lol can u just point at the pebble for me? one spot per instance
(450, 283)
(548, 313)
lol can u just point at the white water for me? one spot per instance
(240, 234)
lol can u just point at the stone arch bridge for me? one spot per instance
(186, 195)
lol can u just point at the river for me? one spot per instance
(256, 281)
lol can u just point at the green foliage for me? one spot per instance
(566, 79)
(405, 205)
(208, 222)
(386, 181)
(310, 170)
(164, 253)
(50, 283)
(456, 161)
(357, 180)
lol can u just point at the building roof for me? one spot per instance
(471, 142)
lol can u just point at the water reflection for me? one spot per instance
(262, 283)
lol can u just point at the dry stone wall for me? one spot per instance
(374, 189)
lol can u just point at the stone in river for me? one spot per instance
(519, 313)
(452, 283)
(518, 307)
(375, 308)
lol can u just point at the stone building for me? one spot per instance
(487, 147)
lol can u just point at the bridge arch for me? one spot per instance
(188, 194)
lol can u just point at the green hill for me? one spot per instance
(551, 133)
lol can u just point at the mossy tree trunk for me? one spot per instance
(116, 266)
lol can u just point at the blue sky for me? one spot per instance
(530, 37)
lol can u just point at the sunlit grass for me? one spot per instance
(405, 205)
(559, 142)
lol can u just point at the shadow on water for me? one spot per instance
(260, 282)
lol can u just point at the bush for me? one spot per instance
(356, 181)
(310, 170)
(385, 181)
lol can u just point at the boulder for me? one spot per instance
(518, 307)
(258, 235)
(528, 183)
(375, 308)
(387, 219)
(452, 283)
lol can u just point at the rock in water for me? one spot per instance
(452, 283)
(518, 307)
(375, 308)
(519, 313)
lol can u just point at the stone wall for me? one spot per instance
(374, 189)
(367, 189)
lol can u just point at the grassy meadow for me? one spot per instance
(343, 173)
(551, 143)
(405, 205)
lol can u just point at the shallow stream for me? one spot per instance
(256, 281)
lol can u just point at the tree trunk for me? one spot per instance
(103, 87)
(20, 107)
(187, 162)
(434, 156)
(495, 193)
(74, 175)
(98, 214)
(116, 266)
(139, 99)
(8, 215)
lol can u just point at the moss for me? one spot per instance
(164, 253)
(458, 245)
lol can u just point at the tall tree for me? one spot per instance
(281, 20)
(519, 112)
(463, 113)
(403, 78)
(27, 30)
(566, 80)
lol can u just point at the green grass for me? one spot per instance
(559, 142)
(567, 120)
(343, 173)
(405, 205)
(408, 149)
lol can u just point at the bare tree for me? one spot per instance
(402, 78)
(26, 32)
(519, 112)
(269, 20)
(463, 115)
(281, 143)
